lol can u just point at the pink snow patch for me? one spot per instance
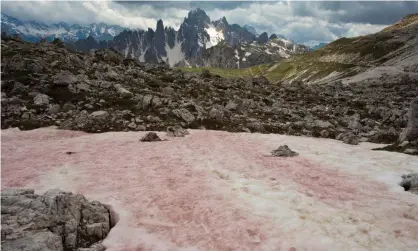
(220, 191)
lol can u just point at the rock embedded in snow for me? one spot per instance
(150, 137)
(348, 138)
(410, 182)
(53, 221)
(324, 133)
(284, 151)
(176, 131)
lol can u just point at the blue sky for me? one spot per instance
(307, 22)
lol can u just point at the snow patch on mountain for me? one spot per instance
(237, 57)
(174, 54)
(215, 36)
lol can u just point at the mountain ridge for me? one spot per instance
(34, 31)
(192, 44)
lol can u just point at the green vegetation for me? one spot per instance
(283, 70)
(343, 57)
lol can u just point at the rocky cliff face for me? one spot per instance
(246, 54)
(45, 84)
(53, 221)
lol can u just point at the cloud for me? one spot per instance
(303, 22)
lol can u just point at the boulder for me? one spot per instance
(410, 182)
(41, 99)
(123, 91)
(348, 138)
(150, 137)
(184, 114)
(64, 79)
(324, 133)
(411, 131)
(99, 115)
(176, 131)
(53, 221)
(284, 151)
(217, 112)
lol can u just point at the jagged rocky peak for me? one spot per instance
(195, 37)
(273, 36)
(160, 38)
(33, 31)
(263, 38)
(197, 17)
(251, 29)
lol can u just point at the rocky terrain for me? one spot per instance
(53, 221)
(45, 84)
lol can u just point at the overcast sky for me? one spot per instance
(304, 22)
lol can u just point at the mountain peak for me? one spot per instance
(197, 13)
(197, 18)
(223, 19)
(404, 22)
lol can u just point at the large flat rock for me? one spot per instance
(215, 190)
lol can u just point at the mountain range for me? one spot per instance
(198, 42)
(33, 31)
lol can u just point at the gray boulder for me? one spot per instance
(41, 99)
(150, 137)
(176, 131)
(99, 115)
(56, 220)
(348, 138)
(123, 91)
(410, 182)
(64, 79)
(184, 114)
(284, 151)
(411, 131)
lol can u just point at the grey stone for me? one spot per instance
(176, 131)
(41, 99)
(150, 137)
(123, 91)
(231, 106)
(99, 115)
(64, 79)
(411, 131)
(284, 151)
(324, 134)
(132, 125)
(54, 108)
(410, 182)
(32, 222)
(146, 101)
(184, 114)
(217, 112)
